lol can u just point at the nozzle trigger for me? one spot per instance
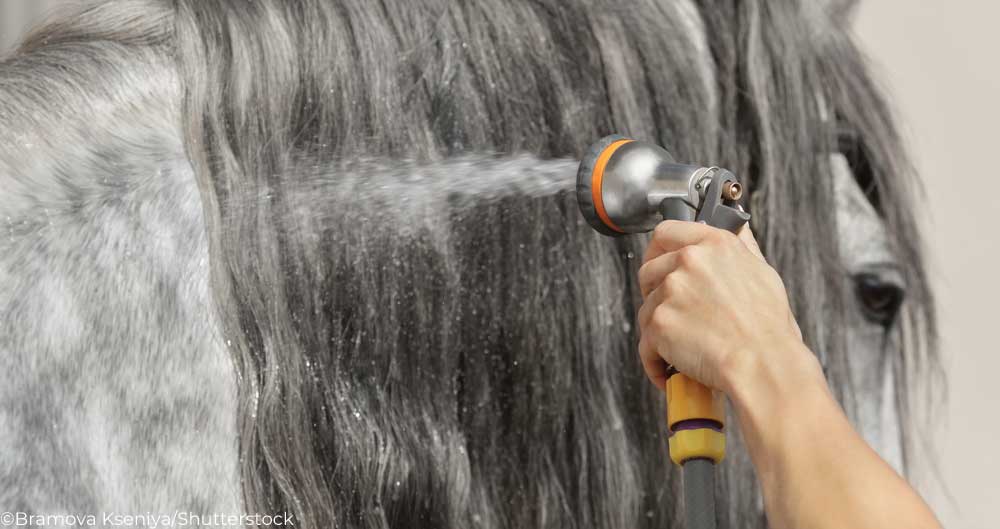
(718, 211)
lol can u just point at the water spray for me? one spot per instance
(626, 186)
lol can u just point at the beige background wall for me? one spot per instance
(939, 59)
(16, 14)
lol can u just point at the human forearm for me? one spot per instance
(716, 311)
(814, 468)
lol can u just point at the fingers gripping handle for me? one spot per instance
(696, 414)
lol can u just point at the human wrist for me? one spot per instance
(776, 396)
(758, 378)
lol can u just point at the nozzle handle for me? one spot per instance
(695, 413)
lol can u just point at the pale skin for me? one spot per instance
(719, 313)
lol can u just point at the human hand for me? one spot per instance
(712, 306)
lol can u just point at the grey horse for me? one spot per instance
(322, 257)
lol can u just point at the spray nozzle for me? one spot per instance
(626, 186)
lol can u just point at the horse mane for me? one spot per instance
(479, 370)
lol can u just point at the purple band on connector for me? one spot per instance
(696, 424)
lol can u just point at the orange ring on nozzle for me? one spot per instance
(597, 181)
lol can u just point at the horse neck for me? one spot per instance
(104, 286)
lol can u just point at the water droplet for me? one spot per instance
(630, 255)
(626, 326)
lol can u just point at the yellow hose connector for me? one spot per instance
(702, 443)
(696, 418)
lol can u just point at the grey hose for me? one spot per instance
(699, 494)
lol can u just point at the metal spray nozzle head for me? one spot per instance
(626, 186)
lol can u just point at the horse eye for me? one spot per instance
(880, 300)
